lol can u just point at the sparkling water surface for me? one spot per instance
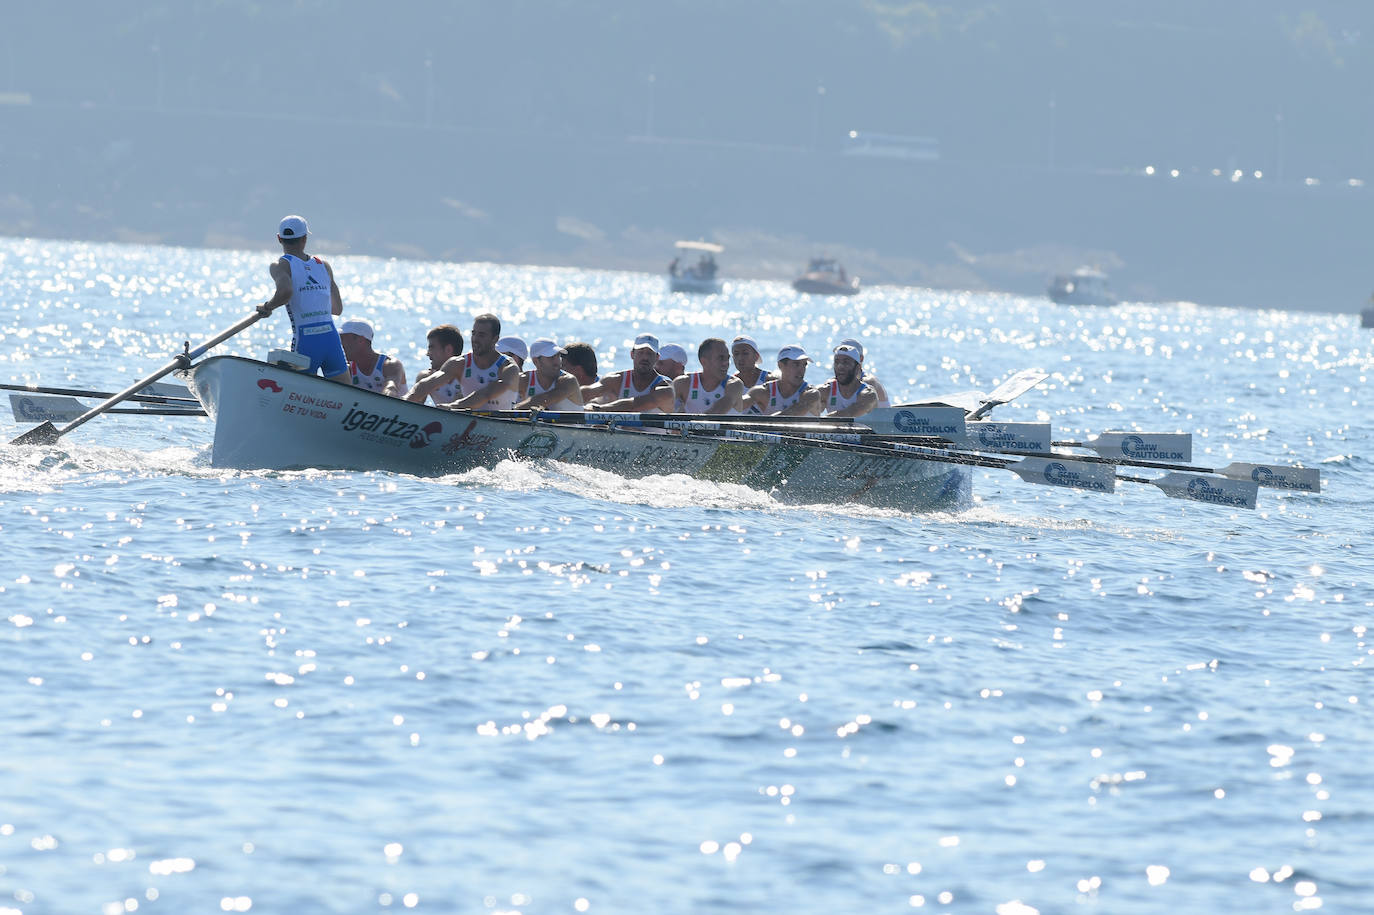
(543, 688)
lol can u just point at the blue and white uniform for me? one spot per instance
(311, 310)
(474, 378)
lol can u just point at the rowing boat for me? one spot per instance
(269, 417)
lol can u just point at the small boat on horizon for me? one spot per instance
(699, 277)
(1085, 286)
(826, 276)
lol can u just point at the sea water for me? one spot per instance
(541, 688)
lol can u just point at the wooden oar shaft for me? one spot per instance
(47, 433)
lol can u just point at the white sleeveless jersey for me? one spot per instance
(763, 378)
(699, 399)
(446, 393)
(531, 386)
(375, 381)
(835, 401)
(628, 389)
(777, 402)
(311, 304)
(474, 378)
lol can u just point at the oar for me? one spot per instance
(1049, 471)
(39, 407)
(685, 422)
(47, 433)
(183, 397)
(1008, 391)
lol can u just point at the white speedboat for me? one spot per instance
(1085, 286)
(270, 417)
(699, 276)
(826, 276)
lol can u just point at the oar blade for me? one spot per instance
(1211, 490)
(44, 434)
(1143, 446)
(1008, 391)
(38, 408)
(1066, 473)
(1305, 479)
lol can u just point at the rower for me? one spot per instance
(547, 386)
(488, 379)
(371, 370)
(846, 394)
(868, 377)
(515, 349)
(789, 394)
(305, 285)
(713, 389)
(747, 358)
(579, 360)
(637, 390)
(445, 344)
(672, 361)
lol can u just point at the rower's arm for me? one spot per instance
(395, 375)
(281, 274)
(809, 404)
(864, 405)
(335, 299)
(734, 395)
(432, 380)
(507, 379)
(660, 398)
(756, 398)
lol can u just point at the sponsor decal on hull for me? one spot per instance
(383, 430)
(467, 440)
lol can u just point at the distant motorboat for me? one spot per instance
(826, 276)
(699, 277)
(1367, 317)
(1085, 286)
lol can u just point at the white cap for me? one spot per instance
(292, 228)
(544, 347)
(853, 352)
(361, 328)
(747, 341)
(856, 344)
(673, 352)
(648, 340)
(514, 346)
(793, 351)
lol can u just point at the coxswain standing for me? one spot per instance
(371, 370)
(713, 389)
(547, 386)
(305, 285)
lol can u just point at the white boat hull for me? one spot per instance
(698, 285)
(268, 417)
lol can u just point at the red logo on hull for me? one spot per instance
(267, 384)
